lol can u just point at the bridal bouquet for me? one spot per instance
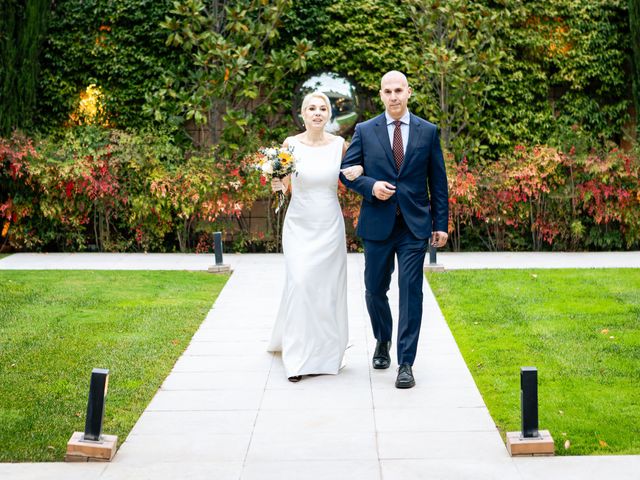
(276, 162)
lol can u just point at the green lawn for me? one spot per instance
(2, 255)
(580, 328)
(55, 326)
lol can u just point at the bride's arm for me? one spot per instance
(351, 172)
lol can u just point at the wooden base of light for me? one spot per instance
(520, 446)
(86, 451)
(219, 269)
(433, 267)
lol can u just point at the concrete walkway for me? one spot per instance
(227, 411)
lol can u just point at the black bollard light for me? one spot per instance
(92, 445)
(432, 253)
(530, 440)
(217, 246)
(529, 401)
(95, 406)
(219, 267)
(433, 266)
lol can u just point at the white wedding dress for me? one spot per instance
(311, 328)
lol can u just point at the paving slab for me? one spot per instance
(227, 411)
(312, 470)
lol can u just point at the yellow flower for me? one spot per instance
(285, 157)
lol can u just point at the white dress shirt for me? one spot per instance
(404, 129)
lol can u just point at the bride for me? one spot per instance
(311, 327)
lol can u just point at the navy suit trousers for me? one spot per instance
(379, 266)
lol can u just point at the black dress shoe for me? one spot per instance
(381, 358)
(405, 377)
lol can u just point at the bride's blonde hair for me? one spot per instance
(320, 95)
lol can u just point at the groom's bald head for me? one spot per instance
(393, 75)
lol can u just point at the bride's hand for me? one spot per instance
(277, 185)
(353, 172)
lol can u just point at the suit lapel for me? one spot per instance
(415, 131)
(383, 137)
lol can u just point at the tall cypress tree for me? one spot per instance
(22, 28)
(634, 24)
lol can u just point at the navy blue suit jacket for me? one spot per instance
(421, 183)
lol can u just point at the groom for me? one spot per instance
(405, 203)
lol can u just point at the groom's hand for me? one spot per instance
(383, 190)
(439, 239)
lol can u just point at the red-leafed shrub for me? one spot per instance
(110, 190)
(539, 197)
(114, 191)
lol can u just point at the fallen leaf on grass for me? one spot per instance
(604, 331)
(534, 275)
(175, 342)
(603, 443)
(561, 412)
(612, 336)
(567, 444)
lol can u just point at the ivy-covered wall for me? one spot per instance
(562, 77)
(557, 71)
(634, 25)
(117, 45)
(22, 29)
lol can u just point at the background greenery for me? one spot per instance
(214, 79)
(578, 327)
(55, 327)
